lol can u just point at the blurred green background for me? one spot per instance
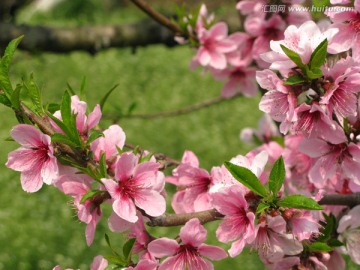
(40, 230)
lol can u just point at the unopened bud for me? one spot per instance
(287, 214)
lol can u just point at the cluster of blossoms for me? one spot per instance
(235, 58)
(314, 98)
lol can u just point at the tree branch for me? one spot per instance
(186, 110)
(159, 17)
(168, 220)
(341, 199)
(86, 38)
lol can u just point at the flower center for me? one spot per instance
(355, 23)
(128, 187)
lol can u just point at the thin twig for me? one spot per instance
(186, 110)
(159, 17)
(163, 159)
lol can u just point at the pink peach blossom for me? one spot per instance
(238, 223)
(89, 212)
(349, 230)
(313, 122)
(214, 43)
(303, 40)
(34, 159)
(302, 224)
(272, 241)
(341, 86)
(194, 183)
(279, 102)
(144, 265)
(189, 254)
(99, 263)
(264, 30)
(134, 187)
(329, 157)
(114, 137)
(348, 25)
(83, 123)
(266, 131)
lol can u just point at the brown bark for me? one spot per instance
(86, 38)
(168, 220)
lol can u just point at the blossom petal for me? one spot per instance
(125, 166)
(27, 135)
(31, 180)
(94, 117)
(193, 233)
(49, 170)
(151, 202)
(212, 252)
(237, 247)
(124, 207)
(21, 159)
(163, 247)
(117, 224)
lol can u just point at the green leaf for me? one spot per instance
(295, 57)
(69, 119)
(5, 100)
(335, 243)
(127, 248)
(93, 136)
(53, 107)
(293, 80)
(131, 108)
(318, 57)
(299, 202)
(66, 109)
(261, 207)
(136, 150)
(120, 151)
(277, 176)
(71, 90)
(90, 194)
(60, 124)
(329, 228)
(107, 239)
(114, 267)
(9, 139)
(82, 87)
(5, 83)
(104, 99)
(61, 138)
(319, 247)
(247, 178)
(314, 73)
(103, 168)
(9, 52)
(115, 260)
(15, 97)
(146, 158)
(34, 94)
